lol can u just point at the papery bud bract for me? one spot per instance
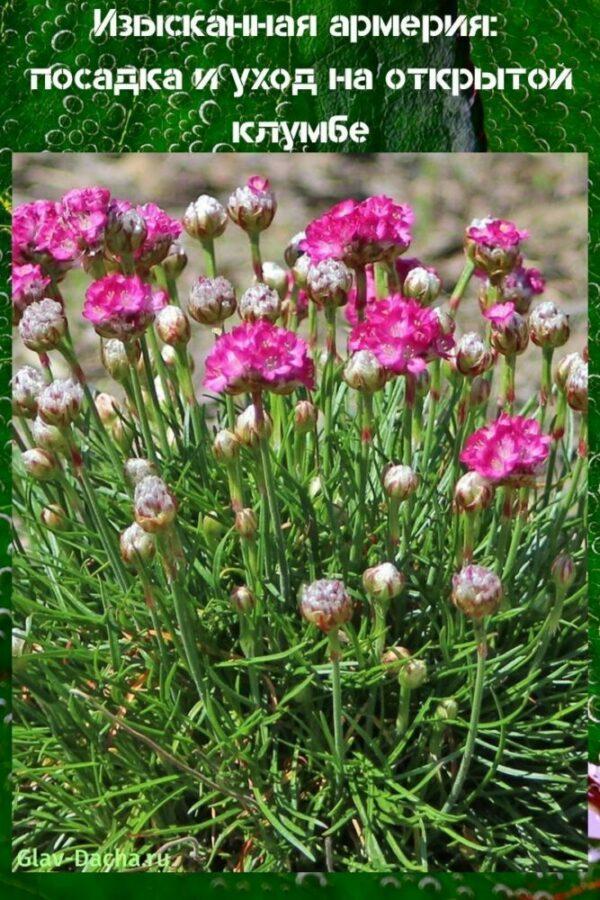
(27, 384)
(472, 355)
(48, 436)
(576, 388)
(137, 546)
(423, 285)
(213, 530)
(293, 251)
(413, 674)
(510, 332)
(175, 261)
(305, 416)
(43, 325)
(328, 282)
(548, 325)
(60, 402)
(300, 270)
(253, 206)
(211, 300)
(54, 518)
(447, 709)
(40, 464)
(326, 604)
(226, 445)
(473, 493)
(480, 391)
(383, 582)
(399, 481)
(155, 505)
(205, 218)
(125, 232)
(394, 659)
(447, 323)
(109, 408)
(242, 599)
(564, 367)
(250, 428)
(563, 571)
(476, 591)
(259, 302)
(246, 523)
(136, 469)
(364, 372)
(275, 277)
(173, 326)
(118, 358)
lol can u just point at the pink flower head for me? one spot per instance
(496, 233)
(85, 212)
(521, 286)
(162, 230)
(402, 334)
(122, 306)
(39, 234)
(28, 286)
(359, 233)
(500, 315)
(258, 356)
(508, 451)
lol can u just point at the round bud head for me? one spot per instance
(563, 571)
(328, 282)
(136, 469)
(60, 402)
(54, 518)
(253, 206)
(571, 360)
(118, 358)
(173, 326)
(211, 300)
(394, 659)
(275, 277)
(242, 599)
(496, 257)
(326, 604)
(399, 481)
(250, 428)
(447, 709)
(383, 582)
(447, 323)
(293, 249)
(473, 356)
(40, 464)
(473, 493)
(246, 523)
(305, 416)
(480, 391)
(301, 269)
(169, 356)
(49, 436)
(213, 530)
(205, 218)
(413, 673)
(423, 285)
(226, 446)
(175, 261)
(548, 325)
(137, 546)
(364, 372)
(155, 506)
(260, 302)
(125, 231)
(27, 384)
(511, 336)
(43, 325)
(476, 591)
(576, 388)
(109, 408)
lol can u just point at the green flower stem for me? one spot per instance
(163, 374)
(46, 367)
(469, 537)
(507, 383)
(381, 280)
(568, 495)
(313, 325)
(335, 654)
(506, 517)
(403, 716)
(550, 626)
(381, 610)
(545, 383)
(361, 292)
(461, 286)
(254, 237)
(519, 523)
(435, 371)
(210, 262)
(184, 375)
(465, 765)
(293, 307)
(328, 385)
(162, 431)
(104, 528)
(142, 414)
(365, 403)
(393, 526)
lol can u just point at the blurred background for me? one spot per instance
(545, 193)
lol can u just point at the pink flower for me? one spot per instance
(121, 306)
(521, 286)
(500, 315)
(402, 334)
(496, 233)
(508, 451)
(258, 356)
(359, 233)
(28, 286)
(85, 212)
(40, 234)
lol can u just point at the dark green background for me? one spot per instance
(536, 32)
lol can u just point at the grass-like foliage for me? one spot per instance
(322, 646)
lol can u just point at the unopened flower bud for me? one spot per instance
(305, 416)
(27, 384)
(48, 436)
(548, 325)
(122, 434)
(60, 402)
(173, 326)
(253, 206)
(328, 282)
(154, 504)
(125, 232)
(275, 277)
(300, 270)
(383, 582)
(476, 591)
(40, 464)
(480, 391)
(211, 300)
(576, 388)
(413, 673)
(250, 427)
(118, 358)
(399, 481)
(205, 218)
(473, 356)
(447, 709)
(326, 604)
(564, 367)
(563, 571)
(226, 445)
(246, 523)
(423, 285)
(473, 493)
(394, 659)
(510, 332)
(54, 518)
(137, 546)
(242, 599)
(213, 530)
(260, 302)
(43, 325)
(175, 261)
(136, 469)
(293, 249)
(364, 372)
(447, 323)
(109, 408)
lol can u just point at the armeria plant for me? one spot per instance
(307, 602)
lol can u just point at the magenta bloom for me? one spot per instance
(122, 306)
(402, 334)
(258, 356)
(496, 233)
(28, 286)
(161, 230)
(359, 233)
(500, 315)
(508, 451)
(85, 212)
(521, 286)
(40, 234)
